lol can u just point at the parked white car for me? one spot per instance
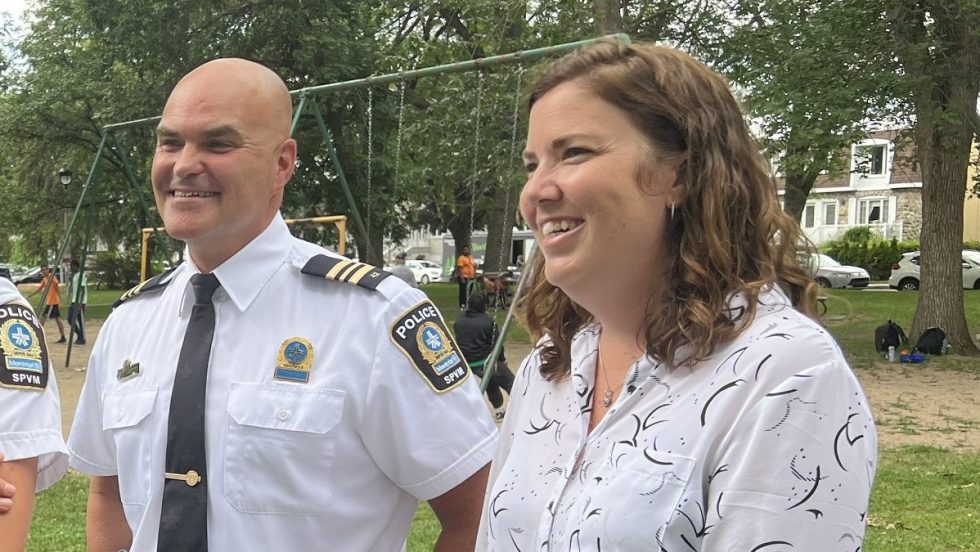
(425, 271)
(905, 273)
(829, 273)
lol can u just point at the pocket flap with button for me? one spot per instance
(127, 407)
(285, 407)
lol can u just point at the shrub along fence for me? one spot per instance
(861, 247)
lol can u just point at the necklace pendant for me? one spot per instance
(607, 397)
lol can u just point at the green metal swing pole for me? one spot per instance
(130, 124)
(328, 138)
(134, 185)
(491, 366)
(459, 67)
(74, 217)
(130, 175)
(297, 113)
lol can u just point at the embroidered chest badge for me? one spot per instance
(295, 360)
(129, 370)
(23, 353)
(421, 334)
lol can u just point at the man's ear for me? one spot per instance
(286, 162)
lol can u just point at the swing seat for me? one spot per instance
(497, 288)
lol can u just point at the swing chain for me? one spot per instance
(476, 150)
(370, 155)
(513, 152)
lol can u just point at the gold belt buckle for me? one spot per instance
(192, 478)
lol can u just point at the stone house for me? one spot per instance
(882, 190)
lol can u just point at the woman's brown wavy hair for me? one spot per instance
(728, 235)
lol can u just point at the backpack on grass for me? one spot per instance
(889, 334)
(932, 342)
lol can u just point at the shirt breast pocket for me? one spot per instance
(278, 442)
(126, 416)
(636, 492)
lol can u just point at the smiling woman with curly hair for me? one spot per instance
(681, 395)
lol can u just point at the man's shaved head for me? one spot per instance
(251, 83)
(223, 157)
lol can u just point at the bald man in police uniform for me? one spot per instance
(335, 396)
(32, 450)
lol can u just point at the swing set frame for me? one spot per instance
(306, 101)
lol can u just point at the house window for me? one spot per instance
(830, 214)
(870, 160)
(809, 213)
(873, 211)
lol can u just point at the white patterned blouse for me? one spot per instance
(768, 446)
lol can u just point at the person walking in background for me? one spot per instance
(399, 269)
(77, 299)
(682, 394)
(476, 333)
(465, 274)
(52, 301)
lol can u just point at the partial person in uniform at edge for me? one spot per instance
(399, 269)
(465, 273)
(52, 301)
(476, 333)
(682, 395)
(335, 397)
(32, 450)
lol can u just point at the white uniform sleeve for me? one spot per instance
(426, 441)
(30, 426)
(30, 419)
(93, 450)
(796, 471)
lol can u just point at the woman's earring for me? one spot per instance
(672, 205)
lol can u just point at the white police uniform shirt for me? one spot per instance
(338, 462)
(769, 444)
(30, 410)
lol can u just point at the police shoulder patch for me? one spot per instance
(23, 352)
(344, 270)
(422, 335)
(149, 286)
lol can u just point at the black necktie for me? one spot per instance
(184, 517)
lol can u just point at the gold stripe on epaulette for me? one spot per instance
(361, 273)
(347, 270)
(341, 265)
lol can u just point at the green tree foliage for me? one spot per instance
(814, 77)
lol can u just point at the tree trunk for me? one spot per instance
(798, 186)
(500, 227)
(940, 303)
(459, 227)
(946, 81)
(608, 17)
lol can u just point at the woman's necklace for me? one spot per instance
(607, 395)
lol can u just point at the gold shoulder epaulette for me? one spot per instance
(151, 285)
(345, 270)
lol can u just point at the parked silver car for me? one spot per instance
(829, 273)
(905, 273)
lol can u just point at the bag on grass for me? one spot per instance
(889, 334)
(932, 342)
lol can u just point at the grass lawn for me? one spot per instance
(925, 499)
